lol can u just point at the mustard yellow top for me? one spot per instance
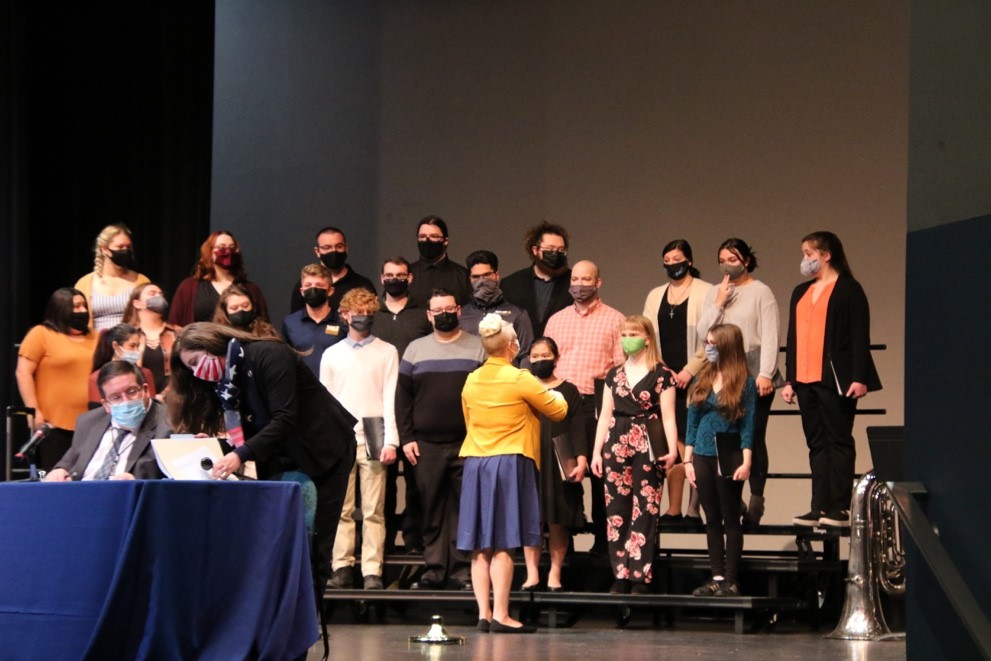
(500, 405)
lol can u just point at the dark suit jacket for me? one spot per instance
(846, 346)
(91, 426)
(517, 288)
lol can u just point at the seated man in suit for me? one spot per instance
(114, 442)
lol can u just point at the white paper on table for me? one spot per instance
(181, 458)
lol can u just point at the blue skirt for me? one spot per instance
(500, 507)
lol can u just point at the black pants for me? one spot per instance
(827, 419)
(720, 500)
(331, 489)
(410, 521)
(598, 486)
(438, 479)
(759, 465)
(53, 448)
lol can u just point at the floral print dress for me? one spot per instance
(632, 481)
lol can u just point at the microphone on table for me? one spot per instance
(36, 438)
(206, 463)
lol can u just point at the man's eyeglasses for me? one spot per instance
(401, 277)
(129, 394)
(481, 276)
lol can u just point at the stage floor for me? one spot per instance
(600, 639)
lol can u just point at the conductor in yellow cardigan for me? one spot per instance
(500, 508)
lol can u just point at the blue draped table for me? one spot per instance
(154, 570)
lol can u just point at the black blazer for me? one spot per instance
(517, 288)
(92, 425)
(848, 336)
(285, 410)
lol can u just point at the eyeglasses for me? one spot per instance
(481, 276)
(433, 238)
(127, 395)
(449, 308)
(337, 247)
(563, 251)
(401, 277)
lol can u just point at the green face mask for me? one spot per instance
(632, 345)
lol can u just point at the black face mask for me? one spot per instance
(553, 259)
(333, 259)
(396, 288)
(123, 258)
(445, 322)
(542, 369)
(430, 250)
(79, 321)
(242, 318)
(315, 296)
(677, 271)
(361, 322)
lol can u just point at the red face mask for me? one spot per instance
(210, 368)
(224, 257)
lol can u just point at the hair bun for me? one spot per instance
(491, 324)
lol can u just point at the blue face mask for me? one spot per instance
(712, 353)
(130, 356)
(129, 414)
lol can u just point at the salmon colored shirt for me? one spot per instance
(501, 405)
(810, 335)
(63, 370)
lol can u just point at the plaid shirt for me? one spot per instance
(588, 342)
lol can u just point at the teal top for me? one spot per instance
(705, 421)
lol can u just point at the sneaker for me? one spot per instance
(809, 520)
(373, 582)
(620, 586)
(706, 589)
(727, 589)
(342, 579)
(835, 518)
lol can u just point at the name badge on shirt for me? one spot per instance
(332, 330)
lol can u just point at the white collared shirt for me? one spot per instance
(106, 446)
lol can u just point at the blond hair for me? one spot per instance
(640, 323)
(103, 240)
(359, 299)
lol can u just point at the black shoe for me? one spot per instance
(499, 627)
(342, 579)
(557, 589)
(620, 586)
(465, 586)
(706, 589)
(671, 518)
(693, 521)
(373, 582)
(727, 589)
(641, 588)
(424, 584)
(835, 519)
(414, 549)
(483, 625)
(809, 520)
(530, 588)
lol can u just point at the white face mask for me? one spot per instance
(809, 267)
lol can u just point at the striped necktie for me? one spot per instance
(113, 454)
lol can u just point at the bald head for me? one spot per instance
(585, 270)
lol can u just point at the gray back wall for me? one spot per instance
(630, 123)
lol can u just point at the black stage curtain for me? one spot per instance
(106, 109)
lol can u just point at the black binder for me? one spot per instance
(729, 452)
(564, 453)
(374, 436)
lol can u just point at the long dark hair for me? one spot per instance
(192, 403)
(259, 326)
(104, 353)
(741, 249)
(58, 311)
(686, 250)
(828, 242)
